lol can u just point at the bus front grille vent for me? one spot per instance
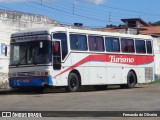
(25, 74)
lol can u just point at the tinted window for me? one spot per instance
(63, 38)
(140, 46)
(149, 47)
(78, 42)
(96, 43)
(112, 44)
(127, 45)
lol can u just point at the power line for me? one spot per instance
(92, 11)
(69, 14)
(106, 6)
(97, 13)
(102, 20)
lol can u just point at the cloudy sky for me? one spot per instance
(94, 13)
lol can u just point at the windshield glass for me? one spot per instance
(33, 52)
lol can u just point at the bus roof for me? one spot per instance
(73, 29)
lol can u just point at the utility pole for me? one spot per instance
(109, 19)
(73, 8)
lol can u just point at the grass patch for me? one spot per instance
(157, 80)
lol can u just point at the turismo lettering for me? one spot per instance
(120, 59)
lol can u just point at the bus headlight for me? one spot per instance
(12, 74)
(42, 73)
(38, 73)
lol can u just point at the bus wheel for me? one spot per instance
(73, 83)
(131, 80)
(100, 87)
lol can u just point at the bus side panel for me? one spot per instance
(98, 69)
(81, 63)
(85, 79)
(125, 71)
(140, 75)
(66, 65)
(140, 71)
(114, 73)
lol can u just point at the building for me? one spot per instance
(139, 26)
(10, 22)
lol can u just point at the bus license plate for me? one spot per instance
(25, 80)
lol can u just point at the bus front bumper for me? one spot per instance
(36, 81)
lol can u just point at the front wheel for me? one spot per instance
(73, 83)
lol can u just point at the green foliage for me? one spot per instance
(157, 80)
(155, 23)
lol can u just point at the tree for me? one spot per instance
(155, 23)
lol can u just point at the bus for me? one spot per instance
(71, 57)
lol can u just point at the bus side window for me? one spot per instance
(149, 47)
(112, 44)
(78, 42)
(127, 45)
(96, 43)
(63, 38)
(140, 46)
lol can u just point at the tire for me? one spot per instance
(131, 80)
(100, 87)
(73, 83)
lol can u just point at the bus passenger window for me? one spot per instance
(78, 42)
(112, 44)
(149, 47)
(96, 43)
(127, 45)
(140, 46)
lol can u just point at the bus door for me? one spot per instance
(57, 55)
(57, 58)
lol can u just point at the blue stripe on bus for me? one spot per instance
(31, 82)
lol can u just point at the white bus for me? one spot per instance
(71, 57)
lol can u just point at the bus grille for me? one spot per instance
(23, 74)
(149, 73)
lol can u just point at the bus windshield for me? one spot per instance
(33, 52)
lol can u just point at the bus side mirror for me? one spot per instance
(6, 51)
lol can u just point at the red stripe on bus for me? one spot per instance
(110, 58)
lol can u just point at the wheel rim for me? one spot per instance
(131, 80)
(73, 82)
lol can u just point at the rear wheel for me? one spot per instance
(73, 83)
(131, 80)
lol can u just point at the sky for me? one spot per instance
(92, 13)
